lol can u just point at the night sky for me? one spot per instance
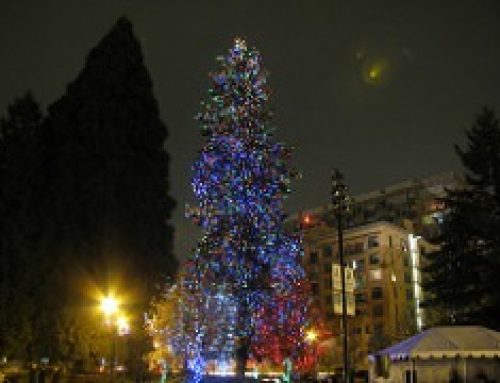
(380, 89)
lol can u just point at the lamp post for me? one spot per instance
(340, 205)
(109, 306)
(311, 337)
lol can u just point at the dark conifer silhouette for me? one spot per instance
(83, 202)
(108, 168)
(462, 275)
(20, 265)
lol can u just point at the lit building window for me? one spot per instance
(375, 275)
(337, 299)
(350, 302)
(438, 217)
(404, 245)
(354, 264)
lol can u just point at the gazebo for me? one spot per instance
(440, 354)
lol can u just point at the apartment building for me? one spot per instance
(386, 259)
(412, 204)
(388, 231)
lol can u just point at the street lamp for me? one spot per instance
(109, 306)
(340, 205)
(311, 337)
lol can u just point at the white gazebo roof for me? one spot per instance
(446, 342)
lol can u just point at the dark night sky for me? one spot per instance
(435, 63)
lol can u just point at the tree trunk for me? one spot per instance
(242, 353)
(243, 340)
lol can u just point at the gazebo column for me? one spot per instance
(465, 369)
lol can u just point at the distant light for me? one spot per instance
(375, 71)
(122, 326)
(307, 219)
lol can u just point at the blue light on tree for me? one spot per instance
(245, 267)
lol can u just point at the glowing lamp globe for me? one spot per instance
(109, 305)
(311, 336)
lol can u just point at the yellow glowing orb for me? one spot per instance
(375, 71)
(109, 305)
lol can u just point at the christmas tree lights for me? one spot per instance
(244, 283)
(280, 321)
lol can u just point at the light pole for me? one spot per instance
(311, 337)
(109, 306)
(340, 205)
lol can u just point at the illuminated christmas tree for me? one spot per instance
(280, 321)
(245, 272)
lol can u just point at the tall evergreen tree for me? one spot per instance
(244, 263)
(21, 267)
(108, 204)
(85, 193)
(461, 276)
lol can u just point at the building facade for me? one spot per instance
(386, 260)
(388, 232)
(413, 204)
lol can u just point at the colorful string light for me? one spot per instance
(244, 282)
